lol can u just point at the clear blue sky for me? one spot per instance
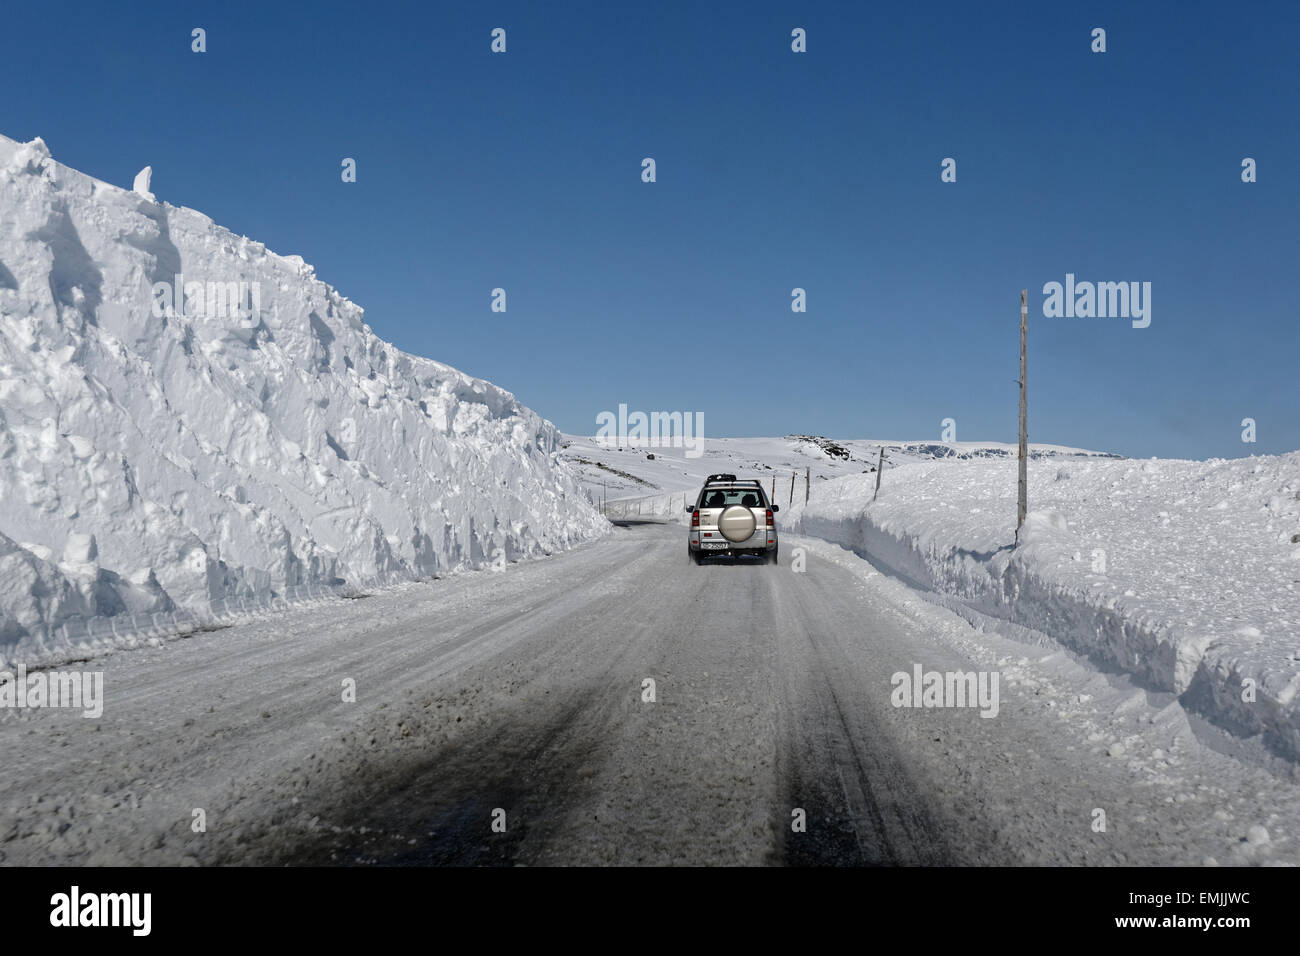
(775, 170)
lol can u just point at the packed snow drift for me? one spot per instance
(1184, 574)
(187, 418)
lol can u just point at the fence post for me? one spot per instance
(792, 474)
(807, 480)
(1022, 482)
(879, 470)
(774, 487)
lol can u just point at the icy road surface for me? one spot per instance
(522, 690)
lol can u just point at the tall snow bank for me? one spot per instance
(159, 452)
(1183, 574)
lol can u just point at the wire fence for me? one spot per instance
(659, 509)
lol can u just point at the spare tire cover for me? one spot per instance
(737, 523)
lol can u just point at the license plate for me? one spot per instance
(714, 545)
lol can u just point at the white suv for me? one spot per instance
(732, 517)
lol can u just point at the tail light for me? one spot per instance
(695, 518)
(769, 517)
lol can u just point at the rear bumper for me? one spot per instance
(757, 543)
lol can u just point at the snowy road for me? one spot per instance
(523, 690)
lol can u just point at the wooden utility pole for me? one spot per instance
(880, 468)
(807, 480)
(1022, 500)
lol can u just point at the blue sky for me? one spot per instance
(775, 170)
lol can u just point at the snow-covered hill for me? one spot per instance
(256, 439)
(623, 472)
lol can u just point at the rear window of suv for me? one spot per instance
(751, 497)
